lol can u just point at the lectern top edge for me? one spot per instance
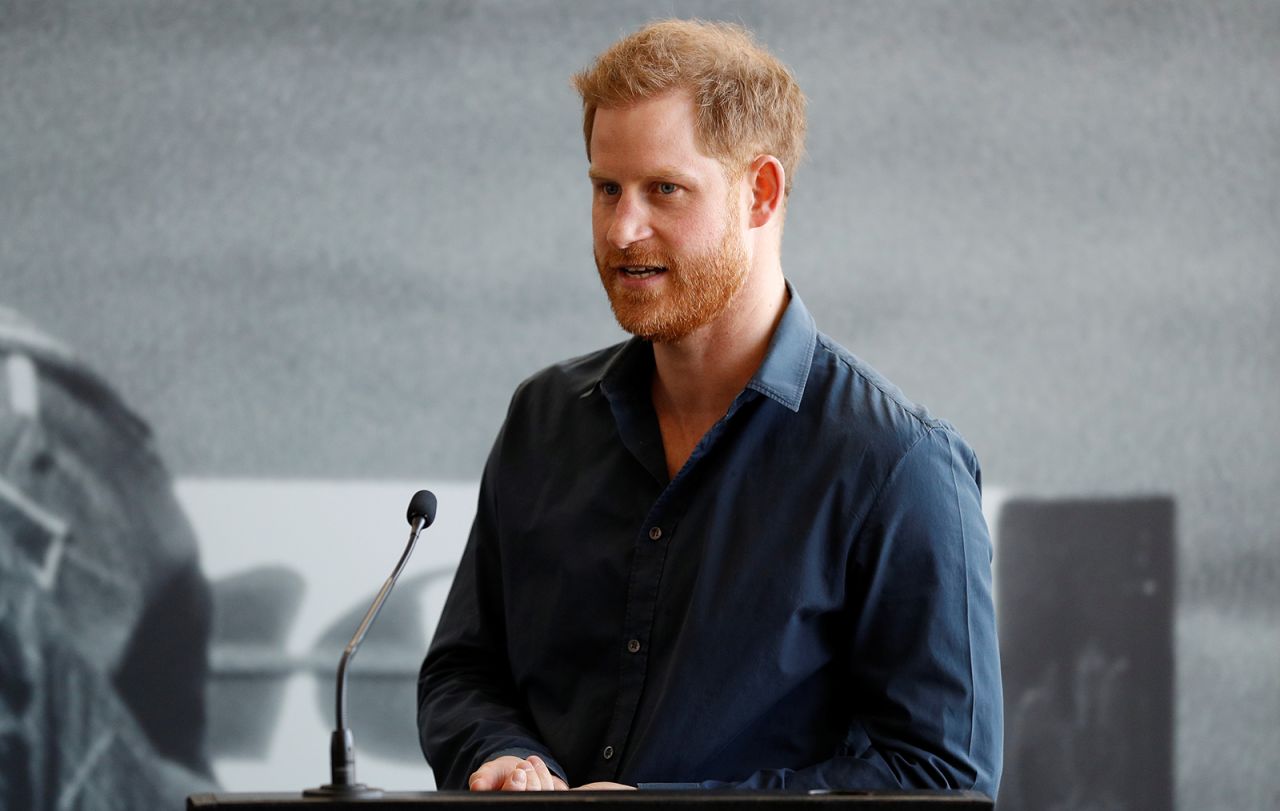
(609, 800)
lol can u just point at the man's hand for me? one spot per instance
(605, 787)
(510, 773)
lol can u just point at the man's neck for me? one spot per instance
(696, 379)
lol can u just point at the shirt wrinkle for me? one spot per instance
(881, 489)
(964, 550)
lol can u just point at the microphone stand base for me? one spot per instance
(345, 791)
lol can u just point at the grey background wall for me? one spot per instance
(326, 239)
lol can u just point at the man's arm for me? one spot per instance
(923, 664)
(469, 711)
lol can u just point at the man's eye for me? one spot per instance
(610, 189)
(667, 188)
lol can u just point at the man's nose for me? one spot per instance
(630, 222)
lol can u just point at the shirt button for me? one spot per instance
(633, 646)
(608, 753)
(655, 533)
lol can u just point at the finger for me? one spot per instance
(482, 779)
(491, 774)
(517, 780)
(532, 781)
(546, 781)
(604, 786)
(489, 777)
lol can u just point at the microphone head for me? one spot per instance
(422, 505)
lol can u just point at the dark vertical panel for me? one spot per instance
(1085, 602)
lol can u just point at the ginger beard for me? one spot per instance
(695, 290)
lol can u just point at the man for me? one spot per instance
(725, 552)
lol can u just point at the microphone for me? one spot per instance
(342, 750)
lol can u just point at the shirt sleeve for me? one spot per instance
(922, 661)
(469, 709)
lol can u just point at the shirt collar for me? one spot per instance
(782, 374)
(630, 366)
(785, 368)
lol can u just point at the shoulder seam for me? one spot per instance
(893, 472)
(928, 433)
(832, 347)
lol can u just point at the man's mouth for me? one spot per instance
(641, 271)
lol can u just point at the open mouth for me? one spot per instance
(641, 271)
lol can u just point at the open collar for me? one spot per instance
(782, 374)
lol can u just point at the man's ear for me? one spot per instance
(768, 181)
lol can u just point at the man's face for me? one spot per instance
(668, 240)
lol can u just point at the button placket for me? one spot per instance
(646, 572)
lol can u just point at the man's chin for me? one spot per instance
(655, 329)
(641, 320)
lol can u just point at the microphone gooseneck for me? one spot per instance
(342, 758)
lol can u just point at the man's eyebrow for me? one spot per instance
(661, 173)
(672, 173)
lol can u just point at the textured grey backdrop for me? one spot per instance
(325, 240)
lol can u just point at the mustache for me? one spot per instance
(631, 255)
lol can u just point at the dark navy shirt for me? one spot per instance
(807, 604)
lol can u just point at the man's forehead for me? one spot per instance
(652, 137)
(670, 115)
